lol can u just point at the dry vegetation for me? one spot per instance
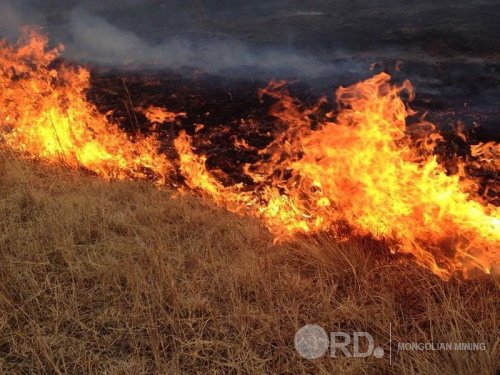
(120, 278)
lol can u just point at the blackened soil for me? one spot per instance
(230, 110)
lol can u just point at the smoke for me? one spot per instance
(12, 20)
(91, 38)
(305, 39)
(96, 40)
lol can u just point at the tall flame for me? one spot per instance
(45, 114)
(365, 169)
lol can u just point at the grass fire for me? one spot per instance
(358, 168)
(154, 242)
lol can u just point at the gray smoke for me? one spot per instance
(12, 20)
(306, 38)
(96, 40)
(90, 37)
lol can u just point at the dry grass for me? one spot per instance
(120, 278)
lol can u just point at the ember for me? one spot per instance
(363, 166)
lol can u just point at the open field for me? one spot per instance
(119, 277)
(100, 274)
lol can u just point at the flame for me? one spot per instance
(160, 115)
(44, 113)
(362, 170)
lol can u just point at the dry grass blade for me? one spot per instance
(116, 278)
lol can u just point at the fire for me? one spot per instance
(44, 113)
(160, 115)
(361, 171)
(364, 170)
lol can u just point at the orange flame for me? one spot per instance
(365, 169)
(160, 115)
(45, 114)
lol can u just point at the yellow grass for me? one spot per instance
(120, 278)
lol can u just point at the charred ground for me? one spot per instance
(230, 109)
